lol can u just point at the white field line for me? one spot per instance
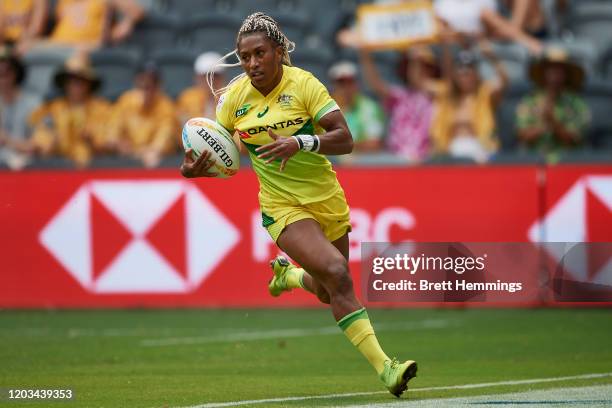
(251, 335)
(72, 332)
(597, 396)
(411, 390)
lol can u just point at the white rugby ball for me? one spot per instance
(201, 134)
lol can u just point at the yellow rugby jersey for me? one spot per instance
(294, 107)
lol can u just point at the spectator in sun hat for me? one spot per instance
(74, 125)
(553, 117)
(16, 107)
(144, 124)
(363, 115)
(198, 101)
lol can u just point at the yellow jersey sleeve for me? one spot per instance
(224, 112)
(317, 100)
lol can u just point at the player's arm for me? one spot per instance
(336, 140)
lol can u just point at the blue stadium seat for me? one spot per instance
(116, 67)
(42, 65)
(313, 61)
(585, 155)
(155, 31)
(514, 58)
(244, 8)
(186, 8)
(387, 63)
(595, 28)
(176, 68)
(152, 6)
(212, 32)
(506, 115)
(605, 64)
(589, 7)
(294, 26)
(598, 95)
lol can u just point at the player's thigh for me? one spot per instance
(305, 242)
(342, 245)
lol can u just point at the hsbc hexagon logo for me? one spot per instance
(583, 214)
(135, 236)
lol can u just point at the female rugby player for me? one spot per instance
(288, 122)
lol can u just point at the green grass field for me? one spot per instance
(180, 358)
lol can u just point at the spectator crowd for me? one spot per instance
(442, 105)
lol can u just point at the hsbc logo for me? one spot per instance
(135, 236)
(583, 214)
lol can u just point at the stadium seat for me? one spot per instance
(589, 7)
(186, 8)
(595, 28)
(294, 26)
(586, 155)
(212, 32)
(176, 68)
(605, 64)
(443, 159)
(506, 115)
(514, 58)
(517, 157)
(387, 63)
(42, 65)
(313, 61)
(244, 8)
(116, 67)
(290, 15)
(153, 6)
(598, 96)
(155, 31)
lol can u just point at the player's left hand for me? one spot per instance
(281, 148)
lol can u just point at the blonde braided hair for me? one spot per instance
(254, 23)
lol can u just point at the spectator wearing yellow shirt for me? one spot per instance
(464, 123)
(75, 124)
(198, 101)
(144, 121)
(22, 21)
(85, 25)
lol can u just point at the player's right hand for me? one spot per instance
(191, 168)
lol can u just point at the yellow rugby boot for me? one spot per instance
(396, 375)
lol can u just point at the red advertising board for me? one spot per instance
(141, 238)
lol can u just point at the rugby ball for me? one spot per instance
(201, 134)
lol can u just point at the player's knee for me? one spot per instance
(322, 295)
(339, 282)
